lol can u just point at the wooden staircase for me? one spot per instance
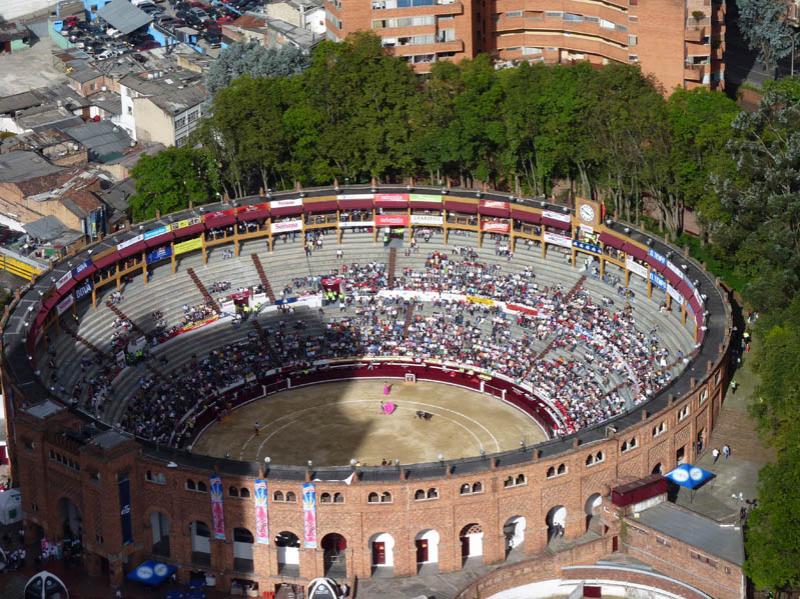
(567, 298)
(202, 288)
(263, 276)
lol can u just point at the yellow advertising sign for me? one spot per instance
(188, 246)
(480, 300)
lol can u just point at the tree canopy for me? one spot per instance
(765, 28)
(255, 60)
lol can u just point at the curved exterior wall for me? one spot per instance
(53, 459)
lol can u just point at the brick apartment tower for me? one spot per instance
(680, 42)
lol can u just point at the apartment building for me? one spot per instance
(680, 42)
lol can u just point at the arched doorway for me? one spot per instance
(426, 544)
(242, 550)
(334, 547)
(556, 521)
(592, 510)
(159, 526)
(201, 543)
(514, 534)
(72, 524)
(657, 469)
(288, 545)
(381, 547)
(471, 538)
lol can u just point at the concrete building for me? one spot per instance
(306, 14)
(162, 107)
(680, 42)
(271, 32)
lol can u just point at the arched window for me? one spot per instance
(242, 535)
(233, 492)
(433, 494)
(277, 496)
(386, 497)
(589, 460)
(201, 486)
(373, 498)
(599, 457)
(465, 489)
(521, 480)
(190, 484)
(290, 496)
(338, 498)
(325, 498)
(245, 492)
(419, 494)
(477, 487)
(551, 472)
(562, 469)
(509, 482)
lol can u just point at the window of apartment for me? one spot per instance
(552, 471)
(180, 122)
(192, 116)
(552, 14)
(333, 19)
(683, 413)
(570, 16)
(703, 395)
(663, 541)
(156, 477)
(531, 51)
(513, 14)
(633, 40)
(181, 141)
(633, 57)
(633, 19)
(628, 445)
(680, 455)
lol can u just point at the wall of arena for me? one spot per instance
(56, 458)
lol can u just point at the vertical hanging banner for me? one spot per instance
(262, 519)
(217, 513)
(125, 508)
(309, 516)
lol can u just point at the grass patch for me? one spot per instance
(702, 253)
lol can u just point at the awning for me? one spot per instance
(683, 289)
(493, 208)
(423, 205)
(136, 248)
(191, 230)
(556, 224)
(51, 301)
(659, 266)
(354, 203)
(151, 573)
(286, 210)
(610, 240)
(697, 309)
(41, 317)
(526, 216)
(634, 250)
(465, 207)
(257, 212)
(107, 260)
(159, 239)
(323, 206)
(689, 476)
(68, 286)
(673, 278)
(217, 220)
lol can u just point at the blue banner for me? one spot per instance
(81, 267)
(160, 253)
(658, 280)
(656, 256)
(155, 232)
(125, 509)
(589, 247)
(84, 289)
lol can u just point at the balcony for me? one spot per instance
(694, 72)
(696, 33)
(389, 8)
(548, 27)
(405, 49)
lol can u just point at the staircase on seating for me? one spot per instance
(202, 288)
(392, 267)
(263, 277)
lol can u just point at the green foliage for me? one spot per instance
(765, 28)
(254, 60)
(171, 179)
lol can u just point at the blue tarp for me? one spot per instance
(151, 573)
(690, 476)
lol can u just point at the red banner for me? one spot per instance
(494, 227)
(391, 220)
(524, 309)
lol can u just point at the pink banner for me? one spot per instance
(217, 513)
(391, 220)
(262, 519)
(494, 227)
(309, 516)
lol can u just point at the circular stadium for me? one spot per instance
(354, 383)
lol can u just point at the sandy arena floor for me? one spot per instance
(333, 422)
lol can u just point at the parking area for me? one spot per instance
(28, 69)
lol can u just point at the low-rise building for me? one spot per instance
(270, 32)
(306, 14)
(14, 37)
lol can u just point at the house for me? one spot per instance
(306, 14)
(14, 37)
(162, 106)
(54, 145)
(270, 32)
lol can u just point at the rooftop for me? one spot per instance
(47, 229)
(11, 31)
(104, 140)
(123, 16)
(22, 165)
(719, 540)
(172, 91)
(44, 409)
(47, 116)
(109, 439)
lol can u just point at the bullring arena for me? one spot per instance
(357, 383)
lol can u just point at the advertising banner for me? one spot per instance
(697, 296)
(286, 226)
(658, 280)
(480, 300)
(495, 227)
(425, 197)
(675, 294)
(64, 280)
(84, 290)
(675, 269)
(636, 268)
(81, 267)
(285, 203)
(356, 223)
(160, 253)
(188, 246)
(392, 198)
(559, 216)
(557, 239)
(64, 304)
(125, 509)
(587, 247)
(427, 219)
(155, 232)
(217, 513)
(129, 242)
(391, 220)
(494, 204)
(656, 256)
(262, 519)
(356, 196)
(182, 224)
(309, 516)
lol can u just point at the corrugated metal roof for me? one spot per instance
(124, 16)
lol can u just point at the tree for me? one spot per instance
(256, 61)
(763, 24)
(171, 179)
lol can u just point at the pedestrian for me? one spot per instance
(726, 451)
(734, 385)
(715, 454)
(257, 428)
